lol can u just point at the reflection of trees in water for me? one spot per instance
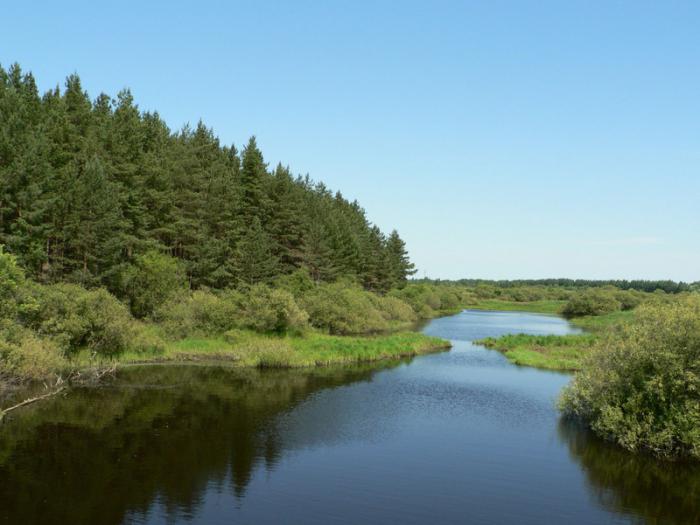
(638, 485)
(165, 432)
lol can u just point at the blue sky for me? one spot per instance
(502, 139)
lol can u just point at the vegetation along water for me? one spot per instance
(205, 337)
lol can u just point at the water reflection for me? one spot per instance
(624, 483)
(165, 433)
(455, 437)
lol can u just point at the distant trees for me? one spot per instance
(88, 186)
(667, 286)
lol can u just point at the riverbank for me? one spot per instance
(564, 353)
(250, 349)
(541, 307)
(253, 350)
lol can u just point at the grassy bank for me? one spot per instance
(543, 307)
(552, 352)
(249, 349)
(557, 352)
(597, 324)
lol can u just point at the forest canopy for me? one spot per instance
(91, 189)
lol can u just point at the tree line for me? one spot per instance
(641, 285)
(88, 186)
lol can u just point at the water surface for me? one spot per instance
(456, 437)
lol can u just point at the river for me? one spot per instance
(455, 437)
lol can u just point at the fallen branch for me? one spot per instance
(75, 378)
(30, 401)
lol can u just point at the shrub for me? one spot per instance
(73, 318)
(25, 356)
(265, 309)
(591, 302)
(200, 312)
(297, 283)
(641, 387)
(449, 299)
(393, 308)
(343, 309)
(629, 299)
(423, 298)
(151, 281)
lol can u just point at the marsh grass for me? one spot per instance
(250, 349)
(602, 323)
(543, 306)
(552, 352)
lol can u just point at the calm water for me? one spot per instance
(457, 437)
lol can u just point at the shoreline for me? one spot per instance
(249, 351)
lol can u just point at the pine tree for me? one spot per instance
(400, 266)
(255, 261)
(87, 187)
(253, 199)
(94, 224)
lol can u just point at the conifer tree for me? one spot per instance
(400, 266)
(88, 187)
(255, 262)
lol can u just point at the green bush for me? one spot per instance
(25, 356)
(343, 309)
(629, 299)
(151, 281)
(75, 318)
(297, 283)
(591, 302)
(199, 313)
(641, 387)
(393, 308)
(265, 309)
(424, 299)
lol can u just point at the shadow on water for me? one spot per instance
(163, 433)
(634, 484)
(461, 436)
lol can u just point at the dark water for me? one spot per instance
(456, 437)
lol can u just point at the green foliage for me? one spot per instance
(592, 302)
(201, 312)
(84, 186)
(151, 281)
(343, 309)
(629, 299)
(393, 308)
(427, 300)
(554, 352)
(265, 309)
(11, 278)
(641, 387)
(255, 261)
(25, 356)
(75, 318)
(253, 349)
(297, 283)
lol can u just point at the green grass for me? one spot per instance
(543, 307)
(552, 352)
(557, 352)
(600, 323)
(241, 348)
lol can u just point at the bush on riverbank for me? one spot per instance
(343, 309)
(641, 386)
(25, 356)
(591, 302)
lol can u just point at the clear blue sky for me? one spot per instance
(502, 139)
